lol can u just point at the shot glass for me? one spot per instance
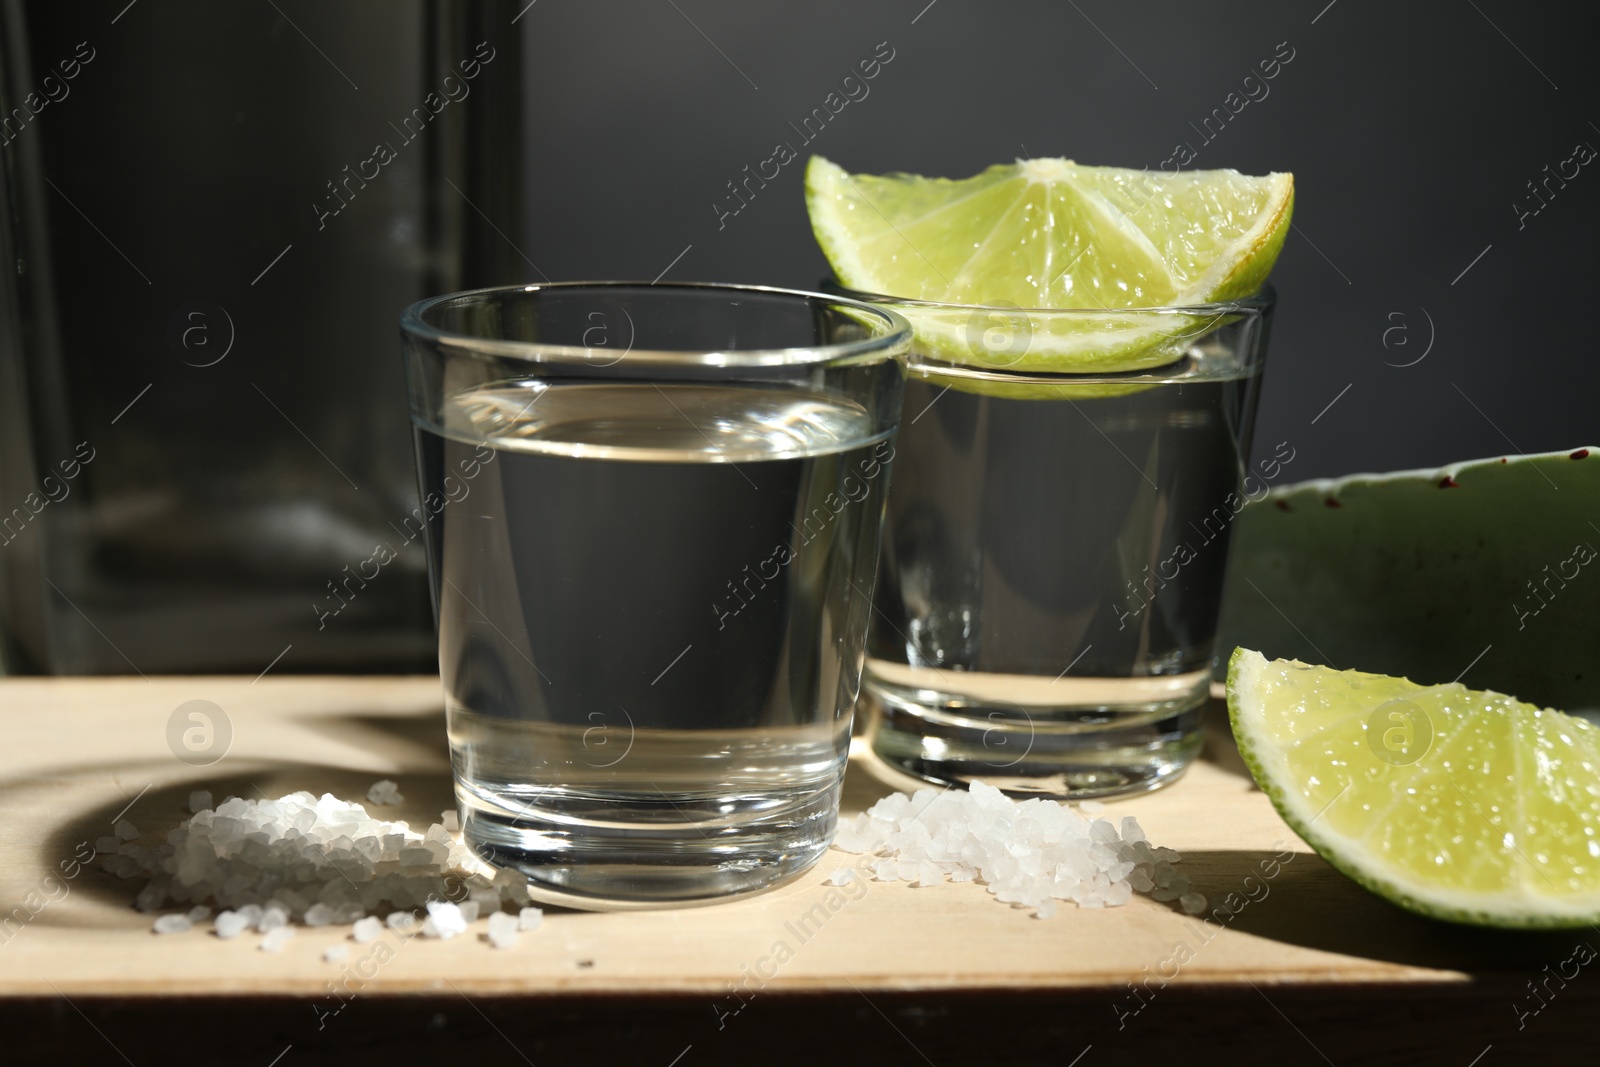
(653, 521)
(1055, 546)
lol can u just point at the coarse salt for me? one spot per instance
(172, 924)
(503, 928)
(276, 938)
(444, 920)
(1029, 853)
(267, 864)
(384, 792)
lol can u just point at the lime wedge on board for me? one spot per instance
(1459, 804)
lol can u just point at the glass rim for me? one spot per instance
(1256, 303)
(892, 340)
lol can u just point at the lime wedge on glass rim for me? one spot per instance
(1462, 805)
(1048, 233)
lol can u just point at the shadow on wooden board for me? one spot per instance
(1375, 1027)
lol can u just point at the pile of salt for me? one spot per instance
(1029, 853)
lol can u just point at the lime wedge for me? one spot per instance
(1048, 233)
(1457, 804)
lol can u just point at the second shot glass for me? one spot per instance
(1055, 549)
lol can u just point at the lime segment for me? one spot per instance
(1462, 805)
(1048, 233)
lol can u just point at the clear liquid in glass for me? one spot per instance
(1052, 575)
(645, 596)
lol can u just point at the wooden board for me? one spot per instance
(78, 752)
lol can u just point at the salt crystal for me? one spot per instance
(275, 917)
(849, 839)
(1091, 806)
(445, 920)
(1119, 871)
(367, 929)
(890, 806)
(1192, 903)
(125, 830)
(400, 920)
(334, 953)
(199, 800)
(231, 924)
(452, 821)
(842, 876)
(199, 913)
(172, 924)
(384, 792)
(469, 911)
(503, 928)
(318, 914)
(107, 844)
(276, 938)
(529, 918)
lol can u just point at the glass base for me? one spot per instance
(610, 853)
(1068, 738)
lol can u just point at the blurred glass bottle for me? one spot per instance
(214, 214)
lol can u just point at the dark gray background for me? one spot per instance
(1411, 130)
(226, 498)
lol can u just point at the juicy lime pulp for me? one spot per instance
(1458, 804)
(1123, 254)
(1199, 347)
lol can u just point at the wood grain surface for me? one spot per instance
(77, 752)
